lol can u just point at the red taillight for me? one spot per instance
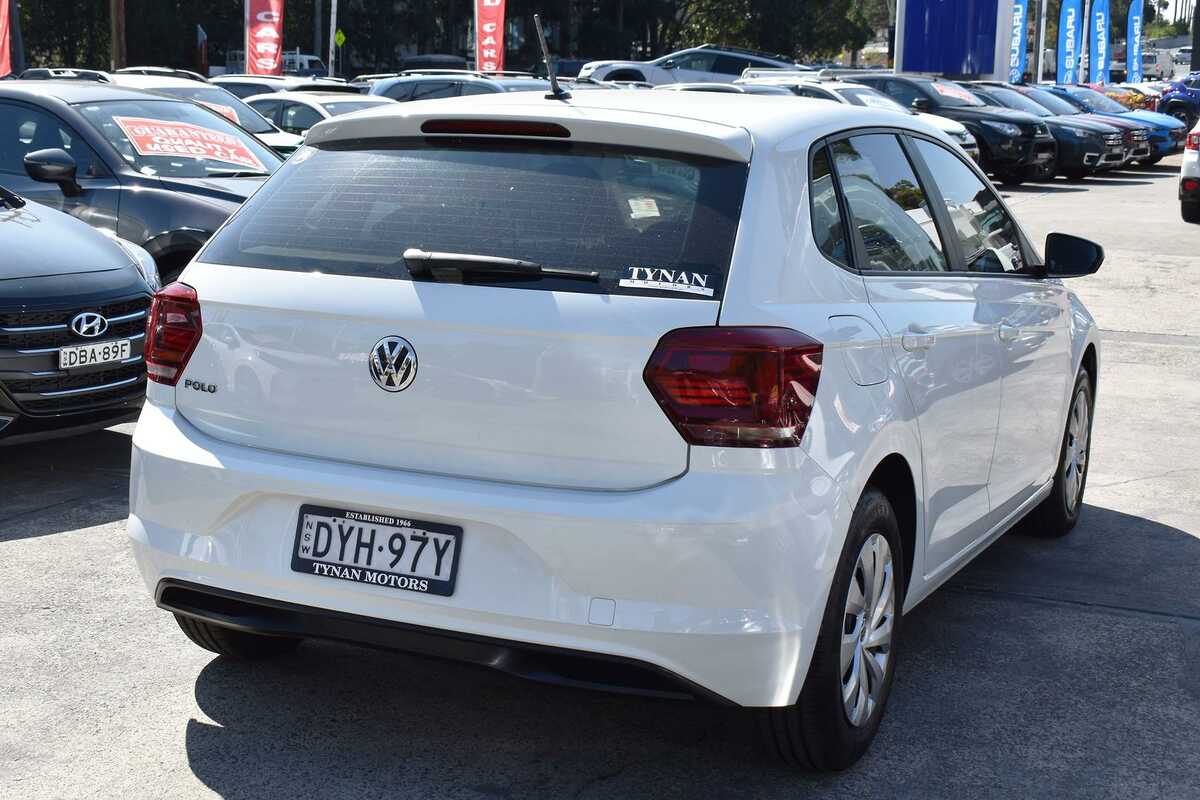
(1190, 184)
(172, 332)
(1193, 141)
(736, 387)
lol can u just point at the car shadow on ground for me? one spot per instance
(64, 484)
(1047, 668)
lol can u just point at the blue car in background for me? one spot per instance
(1181, 99)
(1166, 132)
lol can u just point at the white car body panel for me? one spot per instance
(734, 549)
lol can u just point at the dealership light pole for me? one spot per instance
(316, 50)
(1039, 57)
(332, 34)
(117, 28)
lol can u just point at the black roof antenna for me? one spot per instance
(556, 91)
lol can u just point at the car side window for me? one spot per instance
(399, 91)
(903, 93)
(701, 62)
(476, 88)
(268, 108)
(24, 129)
(807, 91)
(731, 65)
(244, 90)
(299, 118)
(429, 90)
(827, 226)
(888, 206)
(989, 237)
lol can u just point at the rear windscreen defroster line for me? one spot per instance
(649, 222)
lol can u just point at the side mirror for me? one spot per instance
(669, 64)
(53, 165)
(1070, 256)
(921, 104)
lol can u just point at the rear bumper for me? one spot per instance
(717, 579)
(534, 662)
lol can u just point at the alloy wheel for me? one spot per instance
(867, 629)
(1076, 455)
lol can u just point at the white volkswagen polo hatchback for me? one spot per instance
(667, 394)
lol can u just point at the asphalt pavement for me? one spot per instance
(1045, 669)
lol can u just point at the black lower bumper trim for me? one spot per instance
(531, 661)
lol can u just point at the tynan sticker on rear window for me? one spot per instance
(670, 280)
(153, 137)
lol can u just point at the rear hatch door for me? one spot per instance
(321, 339)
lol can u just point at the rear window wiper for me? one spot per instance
(425, 264)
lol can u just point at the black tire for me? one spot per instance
(815, 733)
(1075, 175)
(1190, 212)
(1011, 178)
(1183, 114)
(235, 644)
(1056, 516)
(1151, 161)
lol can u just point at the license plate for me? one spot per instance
(88, 355)
(377, 549)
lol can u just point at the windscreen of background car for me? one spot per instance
(1097, 101)
(951, 94)
(871, 98)
(1054, 103)
(1016, 100)
(617, 211)
(224, 103)
(179, 140)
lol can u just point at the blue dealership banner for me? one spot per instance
(1017, 49)
(1098, 52)
(1133, 44)
(1068, 41)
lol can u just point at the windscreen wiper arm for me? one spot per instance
(244, 173)
(425, 264)
(10, 200)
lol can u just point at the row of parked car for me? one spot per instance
(156, 159)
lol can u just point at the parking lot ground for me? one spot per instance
(1045, 669)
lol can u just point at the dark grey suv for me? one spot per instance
(160, 172)
(73, 305)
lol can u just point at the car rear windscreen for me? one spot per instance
(648, 222)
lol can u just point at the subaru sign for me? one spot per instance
(1098, 57)
(1133, 50)
(1016, 48)
(1068, 42)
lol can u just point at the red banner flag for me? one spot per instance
(489, 35)
(264, 37)
(5, 39)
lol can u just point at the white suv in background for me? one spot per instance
(672, 393)
(703, 64)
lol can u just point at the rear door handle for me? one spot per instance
(917, 340)
(1009, 332)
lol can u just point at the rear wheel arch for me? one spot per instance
(893, 476)
(1089, 363)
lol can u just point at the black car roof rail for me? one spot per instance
(165, 72)
(64, 74)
